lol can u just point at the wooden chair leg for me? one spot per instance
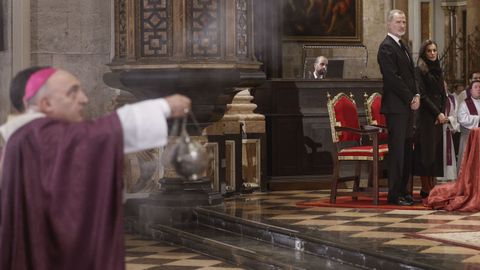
(410, 184)
(370, 174)
(356, 181)
(375, 181)
(333, 189)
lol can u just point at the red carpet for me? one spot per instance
(362, 202)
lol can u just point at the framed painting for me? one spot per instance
(322, 21)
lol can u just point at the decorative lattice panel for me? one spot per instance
(122, 28)
(242, 28)
(156, 28)
(204, 28)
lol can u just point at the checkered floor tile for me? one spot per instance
(391, 232)
(152, 255)
(381, 230)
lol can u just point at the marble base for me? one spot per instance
(173, 204)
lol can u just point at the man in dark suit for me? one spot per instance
(400, 98)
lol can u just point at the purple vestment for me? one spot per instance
(61, 197)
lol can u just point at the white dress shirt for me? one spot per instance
(397, 39)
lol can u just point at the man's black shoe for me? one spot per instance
(401, 201)
(409, 198)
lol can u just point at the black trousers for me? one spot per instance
(400, 149)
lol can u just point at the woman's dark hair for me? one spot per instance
(17, 87)
(423, 49)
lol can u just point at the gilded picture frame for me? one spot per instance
(322, 21)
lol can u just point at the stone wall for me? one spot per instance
(374, 31)
(5, 61)
(76, 36)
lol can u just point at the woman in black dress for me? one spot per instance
(428, 152)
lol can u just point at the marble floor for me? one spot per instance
(438, 239)
(143, 254)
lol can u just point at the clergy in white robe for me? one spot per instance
(468, 118)
(449, 128)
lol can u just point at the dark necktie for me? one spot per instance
(404, 48)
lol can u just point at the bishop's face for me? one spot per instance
(66, 98)
(397, 26)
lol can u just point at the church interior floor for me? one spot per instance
(144, 254)
(392, 233)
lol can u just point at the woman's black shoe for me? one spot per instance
(424, 194)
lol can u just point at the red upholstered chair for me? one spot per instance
(373, 103)
(346, 130)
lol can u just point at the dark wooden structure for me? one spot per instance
(299, 145)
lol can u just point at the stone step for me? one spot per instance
(297, 241)
(242, 250)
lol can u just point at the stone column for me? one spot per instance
(455, 45)
(21, 34)
(5, 60)
(449, 61)
(473, 13)
(473, 35)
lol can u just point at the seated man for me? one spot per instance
(61, 185)
(320, 68)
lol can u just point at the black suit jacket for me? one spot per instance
(399, 85)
